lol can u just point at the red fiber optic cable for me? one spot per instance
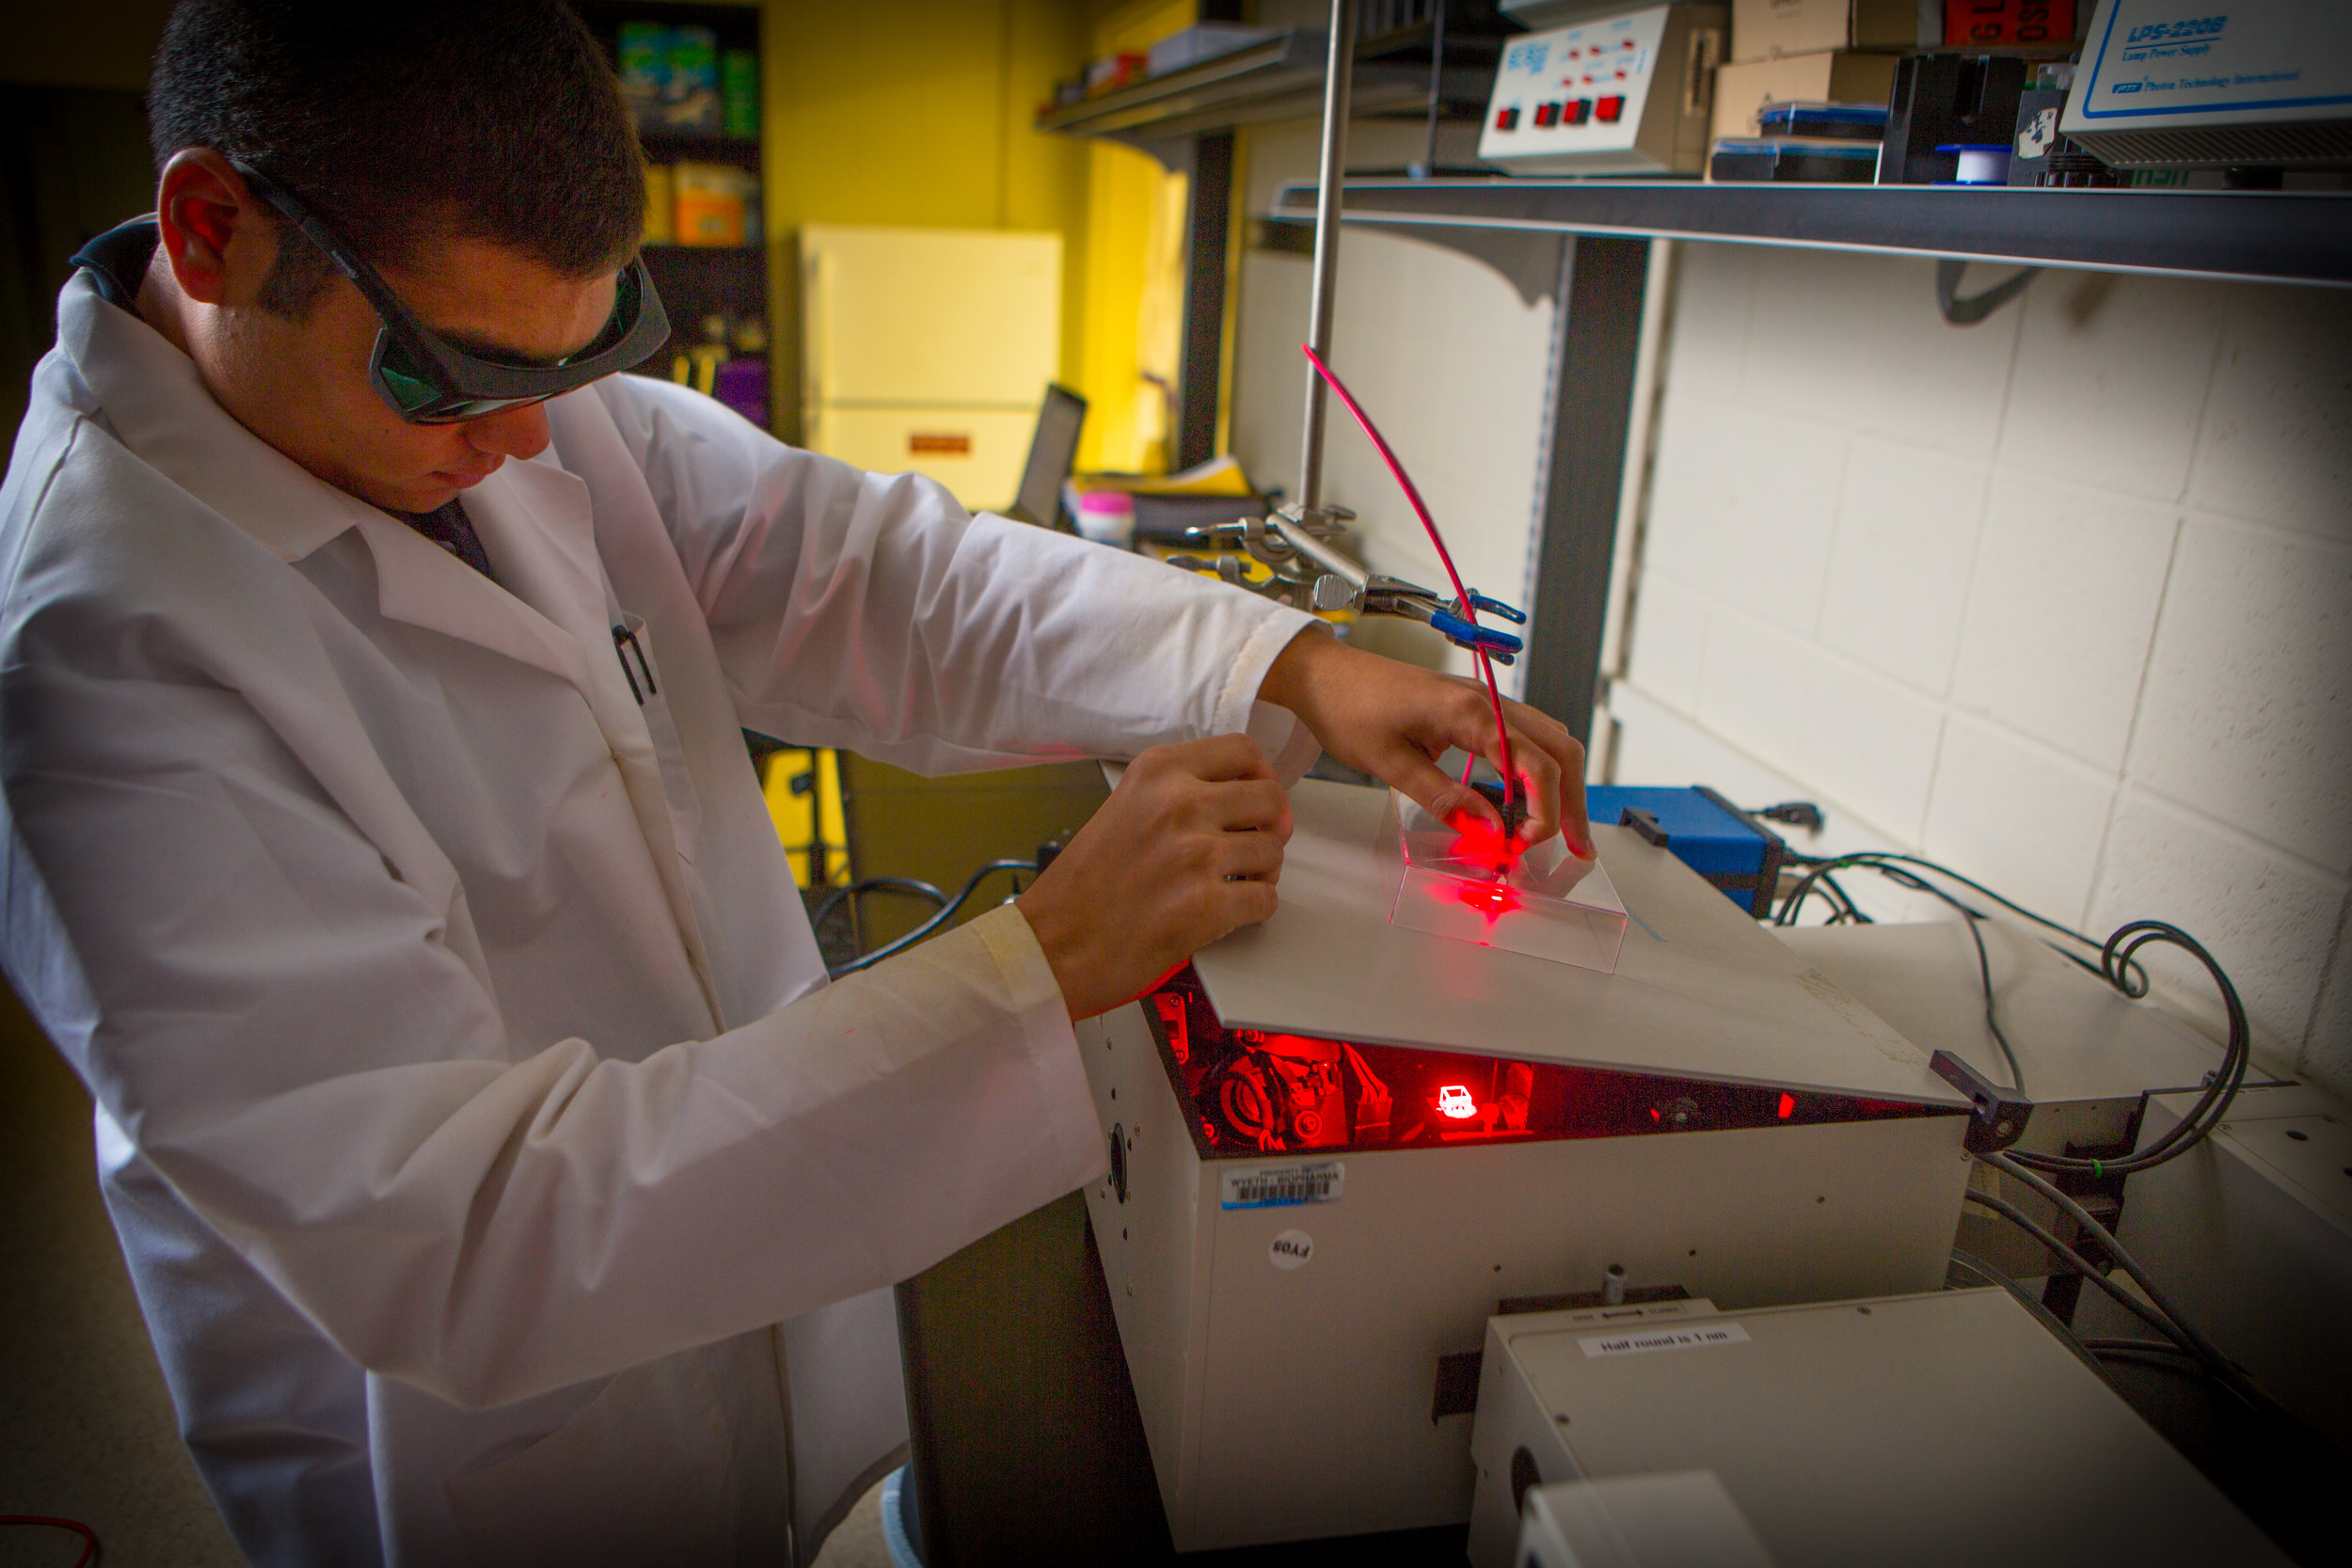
(1421, 510)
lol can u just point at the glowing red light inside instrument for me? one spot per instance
(1787, 1106)
(1455, 1101)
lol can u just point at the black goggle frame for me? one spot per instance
(428, 380)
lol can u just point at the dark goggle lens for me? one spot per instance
(412, 390)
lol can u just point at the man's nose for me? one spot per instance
(510, 432)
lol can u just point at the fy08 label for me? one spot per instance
(1284, 1186)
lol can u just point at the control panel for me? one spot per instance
(1624, 94)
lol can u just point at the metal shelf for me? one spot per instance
(1278, 79)
(2274, 236)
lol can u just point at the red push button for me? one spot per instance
(1608, 109)
(1580, 111)
(1507, 120)
(1547, 114)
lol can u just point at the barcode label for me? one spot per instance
(1648, 1341)
(1284, 1186)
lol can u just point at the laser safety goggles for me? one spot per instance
(429, 380)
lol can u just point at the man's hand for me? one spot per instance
(1394, 721)
(1188, 848)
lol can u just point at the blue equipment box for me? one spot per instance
(1705, 833)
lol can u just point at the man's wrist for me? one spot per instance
(1290, 681)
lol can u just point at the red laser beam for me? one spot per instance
(1421, 510)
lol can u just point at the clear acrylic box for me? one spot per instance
(1543, 902)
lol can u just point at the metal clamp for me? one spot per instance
(1294, 543)
(1999, 1116)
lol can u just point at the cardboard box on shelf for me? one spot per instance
(1773, 29)
(1837, 76)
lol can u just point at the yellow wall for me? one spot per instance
(920, 113)
(1132, 321)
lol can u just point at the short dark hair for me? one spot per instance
(405, 122)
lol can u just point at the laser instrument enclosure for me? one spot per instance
(1292, 1316)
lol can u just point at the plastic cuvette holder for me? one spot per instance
(1545, 902)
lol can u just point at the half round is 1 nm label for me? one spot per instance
(1284, 1186)
(1642, 1341)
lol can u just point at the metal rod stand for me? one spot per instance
(1337, 81)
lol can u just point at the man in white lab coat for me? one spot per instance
(501, 1177)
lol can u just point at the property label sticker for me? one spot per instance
(1642, 1341)
(1284, 1186)
(1290, 1249)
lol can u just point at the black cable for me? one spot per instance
(935, 922)
(2215, 1361)
(1969, 918)
(2149, 1357)
(2026, 1299)
(2077, 1262)
(2148, 1347)
(1878, 857)
(907, 885)
(2119, 965)
(2219, 1091)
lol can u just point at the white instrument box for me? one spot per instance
(1339, 1144)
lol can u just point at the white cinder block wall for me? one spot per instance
(1444, 355)
(2063, 599)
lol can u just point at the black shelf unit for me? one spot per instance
(696, 281)
(2271, 236)
(1278, 79)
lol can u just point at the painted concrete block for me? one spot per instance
(2327, 1058)
(2018, 817)
(1907, 524)
(2270, 921)
(1856, 341)
(2248, 717)
(1775, 546)
(1708, 344)
(1691, 492)
(2060, 613)
(2276, 442)
(1753, 685)
(2110, 379)
(1872, 744)
(1669, 637)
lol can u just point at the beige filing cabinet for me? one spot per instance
(929, 350)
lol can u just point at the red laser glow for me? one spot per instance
(1787, 1106)
(1455, 1101)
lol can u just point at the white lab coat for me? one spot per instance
(472, 1103)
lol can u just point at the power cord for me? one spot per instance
(946, 913)
(2115, 964)
(2118, 964)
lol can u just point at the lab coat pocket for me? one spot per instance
(634, 642)
(645, 1475)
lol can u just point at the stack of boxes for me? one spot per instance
(1816, 51)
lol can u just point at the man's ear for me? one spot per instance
(216, 234)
